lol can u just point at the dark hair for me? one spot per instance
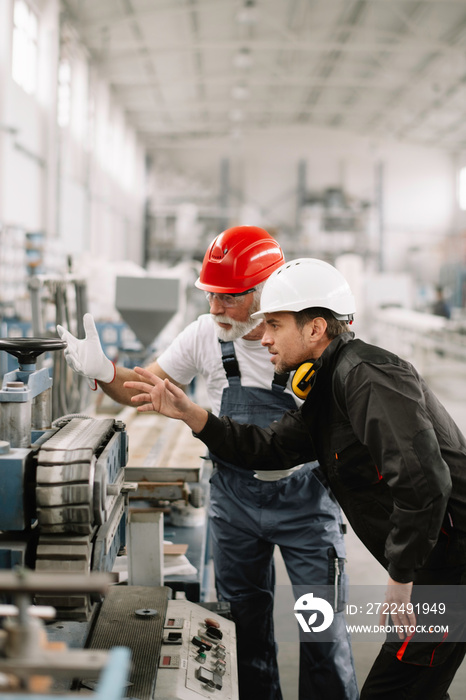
(334, 326)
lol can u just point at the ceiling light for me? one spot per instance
(236, 133)
(236, 115)
(243, 59)
(240, 92)
(248, 14)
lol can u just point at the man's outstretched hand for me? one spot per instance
(162, 396)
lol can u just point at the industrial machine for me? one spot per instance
(162, 649)
(63, 510)
(31, 663)
(62, 500)
(180, 651)
(147, 304)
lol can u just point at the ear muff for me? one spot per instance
(302, 380)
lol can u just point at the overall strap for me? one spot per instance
(231, 367)
(230, 363)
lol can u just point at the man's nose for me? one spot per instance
(266, 340)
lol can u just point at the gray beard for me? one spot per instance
(238, 328)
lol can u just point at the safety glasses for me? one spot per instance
(228, 300)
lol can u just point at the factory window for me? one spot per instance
(462, 189)
(24, 59)
(64, 93)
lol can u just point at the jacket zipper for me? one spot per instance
(337, 576)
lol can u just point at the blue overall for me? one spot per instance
(248, 517)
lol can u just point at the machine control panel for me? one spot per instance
(198, 655)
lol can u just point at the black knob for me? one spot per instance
(199, 642)
(27, 349)
(214, 633)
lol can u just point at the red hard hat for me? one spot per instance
(238, 259)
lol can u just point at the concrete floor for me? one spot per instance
(448, 381)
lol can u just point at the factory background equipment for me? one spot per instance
(147, 304)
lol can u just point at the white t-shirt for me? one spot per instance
(196, 351)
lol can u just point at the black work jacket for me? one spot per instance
(393, 456)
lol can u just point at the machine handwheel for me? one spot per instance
(26, 350)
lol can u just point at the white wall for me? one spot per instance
(83, 185)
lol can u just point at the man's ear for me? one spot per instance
(315, 330)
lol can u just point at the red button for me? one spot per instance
(211, 623)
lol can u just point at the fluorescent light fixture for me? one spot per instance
(243, 58)
(240, 92)
(236, 133)
(236, 115)
(248, 14)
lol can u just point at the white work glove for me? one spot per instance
(86, 356)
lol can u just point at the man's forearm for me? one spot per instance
(122, 394)
(116, 389)
(196, 418)
(280, 446)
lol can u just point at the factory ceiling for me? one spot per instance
(196, 69)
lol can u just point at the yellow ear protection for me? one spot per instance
(302, 380)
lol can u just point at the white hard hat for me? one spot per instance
(305, 283)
